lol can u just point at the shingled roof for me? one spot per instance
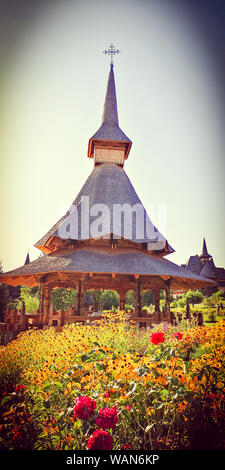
(207, 271)
(104, 260)
(194, 264)
(108, 185)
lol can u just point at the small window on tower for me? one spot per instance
(106, 155)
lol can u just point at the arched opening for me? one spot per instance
(148, 301)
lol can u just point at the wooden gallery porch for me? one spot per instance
(47, 316)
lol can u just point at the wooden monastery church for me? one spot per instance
(123, 252)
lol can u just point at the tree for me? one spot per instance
(129, 299)
(193, 297)
(147, 298)
(30, 298)
(109, 299)
(4, 297)
(63, 299)
(215, 299)
(181, 302)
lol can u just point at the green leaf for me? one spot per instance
(158, 405)
(84, 357)
(100, 366)
(172, 352)
(164, 394)
(132, 390)
(58, 385)
(46, 385)
(102, 351)
(149, 427)
(5, 400)
(46, 403)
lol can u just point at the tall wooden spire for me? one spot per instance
(110, 113)
(109, 144)
(27, 260)
(204, 255)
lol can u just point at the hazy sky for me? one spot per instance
(170, 91)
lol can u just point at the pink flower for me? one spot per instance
(100, 440)
(157, 338)
(107, 418)
(84, 407)
(177, 335)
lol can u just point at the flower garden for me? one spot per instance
(110, 385)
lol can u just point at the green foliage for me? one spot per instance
(29, 296)
(63, 299)
(109, 299)
(4, 296)
(181, 302)
(194, 297)
(130, 297)
(217, 298)
(147, 298)
(191, 297)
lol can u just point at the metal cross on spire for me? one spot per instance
(111, 51)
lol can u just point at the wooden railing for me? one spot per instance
(14, 321)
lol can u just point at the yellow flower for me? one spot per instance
(182, 406)
(150, 411)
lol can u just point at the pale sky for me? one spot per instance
(170, 104)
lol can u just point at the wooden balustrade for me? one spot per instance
(14, 321)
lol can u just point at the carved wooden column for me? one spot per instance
(22, 317)
(157, 299)
(41, 301)
(47, 293)
(156, 292)
(168, 301)
(80, 298)
(122, 295)
(46, 303)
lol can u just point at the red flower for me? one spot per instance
(100, 440)
(17, 436)
(177, 335)
(108, 392)
(157, 338)
(84, 407)
(19, 388)
(107, 418)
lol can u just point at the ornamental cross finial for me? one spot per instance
(111, 51)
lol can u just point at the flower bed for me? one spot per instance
(109, 385)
